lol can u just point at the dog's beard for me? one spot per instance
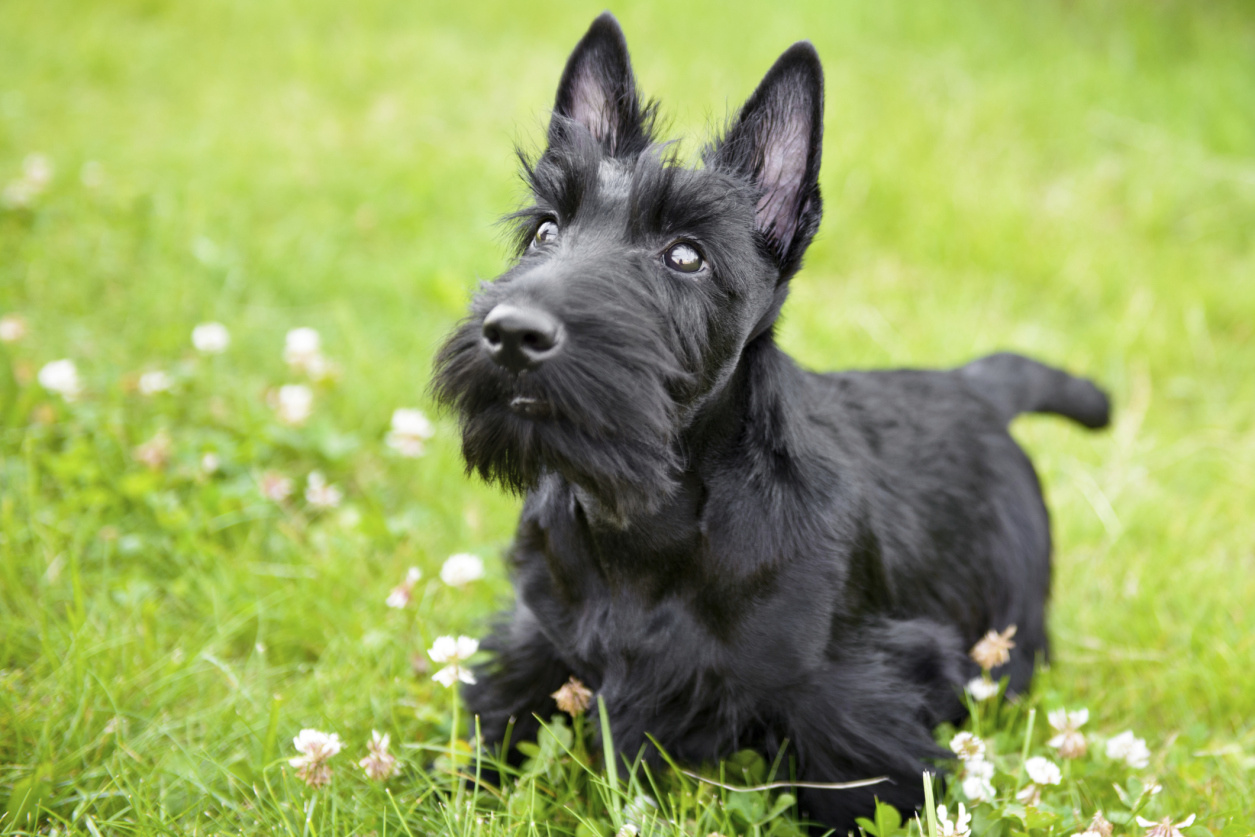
(602, 414)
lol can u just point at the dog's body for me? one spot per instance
(731, 551)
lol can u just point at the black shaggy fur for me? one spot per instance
(734, 552)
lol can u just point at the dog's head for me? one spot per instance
(638, 283)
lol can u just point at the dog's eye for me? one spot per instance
(547, 232)
(684, 258)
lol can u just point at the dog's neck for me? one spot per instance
(756, 409)
(749, 412)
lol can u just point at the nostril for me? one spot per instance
(492, 334)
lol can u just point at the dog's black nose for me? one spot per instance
(521, 338)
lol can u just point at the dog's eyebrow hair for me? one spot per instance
(665, 198)
(523, 224)
(564, 174)
(650, 191)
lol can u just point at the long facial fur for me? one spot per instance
(613, 425)
(638, 353)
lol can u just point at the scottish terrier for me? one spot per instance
(731, 551)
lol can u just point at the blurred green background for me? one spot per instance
(1074, 180)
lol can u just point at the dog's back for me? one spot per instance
(947, 486)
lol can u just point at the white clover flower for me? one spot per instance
(461, 569)
(980, 768)
(982, 689)
(319, 493)
(1070, 741)
(1062, 719)
(380, 765)
(448, 649)
(410, 429)
(61, 377)
(960, 827)
(455, 652)
(276, 487)
(151, 383)
(294, 403)
(1129, 749)
(36, 175)
(573, 697)
(17, 195)
(211, 338)
(210, 463)
(301, 344)
(1165, 827)
(1029, 795)
(302, 350)
(315, 748)
(12, 328)
(978, 790)
(977, 781)
(155, 453)
(1043, 771)
(994, 649)
(37, 170)
(403, 592)
(1099, 826)
(968, 747)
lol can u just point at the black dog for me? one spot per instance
(732, 551)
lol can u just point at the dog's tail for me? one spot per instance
(1015, 384)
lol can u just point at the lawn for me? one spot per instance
(1071, 180)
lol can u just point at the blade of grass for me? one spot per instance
(611, 763)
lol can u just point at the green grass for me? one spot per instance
(1073, 180)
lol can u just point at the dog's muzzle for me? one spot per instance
(520, 339)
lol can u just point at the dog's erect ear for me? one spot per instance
(776, 142)
(598, 91)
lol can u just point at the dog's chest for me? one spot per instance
(651, 607)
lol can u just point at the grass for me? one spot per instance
(1076, 181)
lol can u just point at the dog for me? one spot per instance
(731, 551)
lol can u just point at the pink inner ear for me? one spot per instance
(590, 106)
(785, 144)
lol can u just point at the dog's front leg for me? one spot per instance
(516, 685)
(869, 712)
